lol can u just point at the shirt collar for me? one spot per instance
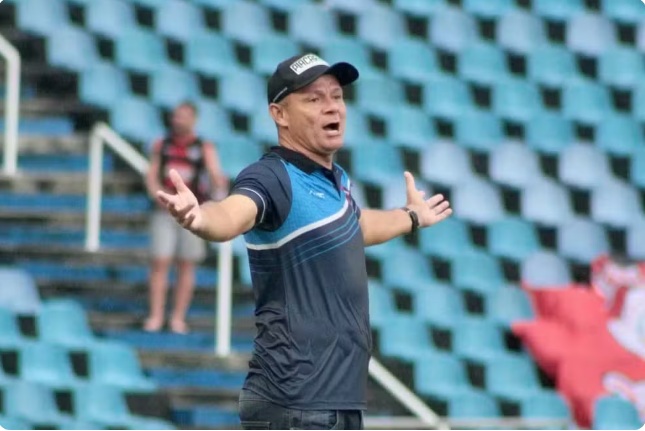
(299, 160)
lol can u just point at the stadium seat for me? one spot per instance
(440, 375)
(545, 405)
(353, 8)
(590, 34)
(213, 122)
(257, 23)
(179, 20)
(640, 36)
(477, 201)
(582, 240)
(612, 412)
(482, 63)
(445, 163)
(512, 238)
(479, 340)
(635, 246)
(64, 323)
(379, 164)
(583, 166)
(478, 271)
(110, 18)
(10, 335)
(551, 65)
(47, 364)
(136, 118)
(140, 50)
(407, 269)
(236, 153)
(448, 239)
(410, 127)
(619, 135)
(393, 194)
(637, 162)
(344, 48)
(382, 306)
(390, 25)
(383, 250)
(10, 423)
(33, 403)
(412, 60)
(210, 53)
(474, 404)
(615, 203)
(405, 336)
(492, 9)
(519, 32)
(446, 96)
(545, 269)
(242, 91)
(557, 10)
(623, 11)
(357, 127)
(271, 50)
(452, 29)
(585, 101)
(439, 305)
(312, 24)
(172, 85)
(44, 17)
(621, 67)
(263, 127)
(73, 424)
(281, 5)
(549, 133)
(546, 202)
(512, 378)
(514, 164)
(103, 84)
(116, 364)
(21, 296)
(516, 100)
(418, 8)
(509, 305)
(376, 95)
(72, 48)
(478, 130)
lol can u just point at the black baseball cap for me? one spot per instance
(299, 71)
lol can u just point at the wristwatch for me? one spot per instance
(413, 217)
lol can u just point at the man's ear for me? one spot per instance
(279, 114)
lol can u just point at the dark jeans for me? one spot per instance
(257, 413)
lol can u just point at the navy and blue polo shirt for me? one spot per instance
(307, 261)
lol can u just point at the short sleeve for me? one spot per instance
(266, 183)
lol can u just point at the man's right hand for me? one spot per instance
(182, 205)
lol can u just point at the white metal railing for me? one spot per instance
(12, 106)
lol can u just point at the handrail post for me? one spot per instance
(12, 106)
(224, 300)
(94, 192)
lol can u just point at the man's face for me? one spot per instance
(183, 120)
(316, 115)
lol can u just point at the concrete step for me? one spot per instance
(119, 182)
(136, 221)
(36, 144)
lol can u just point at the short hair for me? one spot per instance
(190, 105)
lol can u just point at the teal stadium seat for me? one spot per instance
(446, 240)
(635, 246)
(509, 305)
(619, 135)
(72, 48)
(243, 91)
(281, 5)
(379, 164)
(545, 405)
(140, 50)
(410, 127)
(482, 63)
(64, 323)
(407, 269)
(612, 412)
(545, 269)
(477, 271)
(172, 85)
(382, 307)
(412, 60)
(10, 335)
(376, 95)
(357, 127)
(546, 202)
(590, 34)
(477, 201)
(237, 152)
(103, 85)
(586, 101)
(445, 163)
(440, 305)
(20, 294)
(514, 164)
(551, 65)
(637, 164)
(519, 32)
(446, 96)
(583, 166)
(512, 238)
(116, 364)
(136, 118)
(10, 423)
(263, 128)
(43, 17)
(615, 203)
(621, 68)
(549, 133)
(110, 18)
(557, 10)
(623, 11)
(33, 403)
(47, 364)
(210, 53)
(419, 8)
(479, 340)
(452, 29)
(312, 24)
(474, 404)
(212, 122)
(179, 20)
(512, 378)
(516, 100)
(478, 130)
(440, 375)
(354, 8)
(390, 25)
(582, 240)
(492, 9)
(271, 50)
(405, 337)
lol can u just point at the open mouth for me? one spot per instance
(332, 127)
